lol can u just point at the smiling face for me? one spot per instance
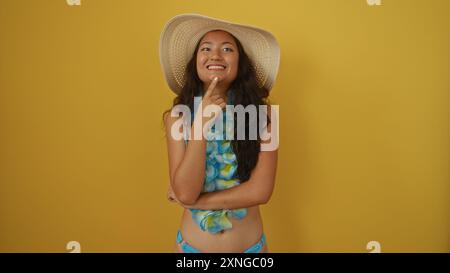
(217, 56)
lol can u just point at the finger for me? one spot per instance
(211, 87)
(215, 97)
(219, 101)
(221, 105)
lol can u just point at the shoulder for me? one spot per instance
(169, 119)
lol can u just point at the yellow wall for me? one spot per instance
(363, 94)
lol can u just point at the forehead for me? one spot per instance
(218, 36)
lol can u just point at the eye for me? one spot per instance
(205, 49)
(228, 49)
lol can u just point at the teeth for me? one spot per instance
(216, 67)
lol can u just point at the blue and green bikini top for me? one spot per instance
(220, 174)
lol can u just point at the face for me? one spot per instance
(217, 56)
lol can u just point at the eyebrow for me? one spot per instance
(208, 42)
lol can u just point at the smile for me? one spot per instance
(215, 67)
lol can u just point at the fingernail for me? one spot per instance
(216, 78)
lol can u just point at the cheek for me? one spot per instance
(202, 72)
(199, 66)
(200, 61)
(234, 66)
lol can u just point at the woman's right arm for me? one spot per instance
(187, 163)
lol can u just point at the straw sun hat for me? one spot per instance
(182, 33)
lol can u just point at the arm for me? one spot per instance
(257, 190)
(187, 164)
(186, 174)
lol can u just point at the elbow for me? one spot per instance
(187, 199)
(262, 195)
(186, 196)
(264, 198)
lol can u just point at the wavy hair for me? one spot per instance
(246, 92)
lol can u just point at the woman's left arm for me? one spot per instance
(257, 190)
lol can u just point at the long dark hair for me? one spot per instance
(246, 92)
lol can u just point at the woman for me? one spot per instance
(220, 182)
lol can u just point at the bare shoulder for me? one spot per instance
(168, 118)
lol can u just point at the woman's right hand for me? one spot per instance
(212, 98)
(201, 117)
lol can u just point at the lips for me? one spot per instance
(216, 67)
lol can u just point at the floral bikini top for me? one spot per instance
(220, 174)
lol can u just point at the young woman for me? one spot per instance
(220, 183)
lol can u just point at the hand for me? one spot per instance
(171, 195)
(212, 98)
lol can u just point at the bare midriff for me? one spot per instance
(245, 233)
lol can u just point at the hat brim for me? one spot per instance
(182, 33)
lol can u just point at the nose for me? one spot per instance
(216, 54)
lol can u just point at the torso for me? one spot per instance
(244, 233)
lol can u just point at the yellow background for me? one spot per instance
(363, 94)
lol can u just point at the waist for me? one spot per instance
(244, 233)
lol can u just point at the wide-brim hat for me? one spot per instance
(182, 33)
